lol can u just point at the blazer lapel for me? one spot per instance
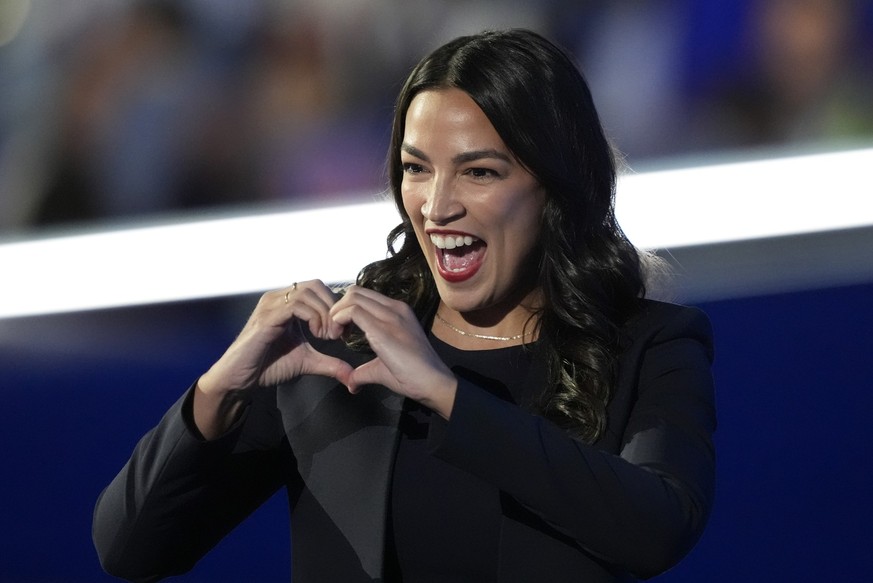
(345, 446)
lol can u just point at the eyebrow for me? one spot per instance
(461, 158)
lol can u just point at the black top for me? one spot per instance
(445, 521)
(630, 505)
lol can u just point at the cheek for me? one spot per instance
(412, 205)
(521, 213)
(524, 223)
(411, 201)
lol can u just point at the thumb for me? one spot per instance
(318, 363)
(369, 373)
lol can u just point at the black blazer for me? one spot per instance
(630, 505)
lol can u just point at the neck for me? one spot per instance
(470, 333)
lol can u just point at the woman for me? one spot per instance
(494, 402)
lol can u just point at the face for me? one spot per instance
(475, 209)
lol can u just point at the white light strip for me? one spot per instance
(221, 257)
(194, 260)
(747, 200)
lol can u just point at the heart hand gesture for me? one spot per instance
(405, 361)
(270, 349)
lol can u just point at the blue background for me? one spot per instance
(793, 376)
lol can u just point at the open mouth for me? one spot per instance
(459, 257)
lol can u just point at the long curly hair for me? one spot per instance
(590, 275)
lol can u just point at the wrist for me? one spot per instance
(214, 410)
(442, 400)
(209, 385)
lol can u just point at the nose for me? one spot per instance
(443, 203)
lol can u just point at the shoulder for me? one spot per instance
(657, 323)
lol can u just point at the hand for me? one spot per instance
(405, 361)
(270, 349)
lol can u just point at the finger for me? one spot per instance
(358, 315)
(355, 292)
(310, 301)
(357, 306)
(369, 373)
(296, 290)
(318, 363)
(321, 289)
(287, 295)
(316, 318)
(327, 298)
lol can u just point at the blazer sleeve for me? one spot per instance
(178, 495)
(642, 509)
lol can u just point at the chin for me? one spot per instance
(463, 301)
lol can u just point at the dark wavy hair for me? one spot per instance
(590, 275)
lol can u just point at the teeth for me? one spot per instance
(452, 241)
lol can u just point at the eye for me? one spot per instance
(412, 168)
(482, 173)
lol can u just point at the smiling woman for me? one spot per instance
(461, 183)
(494, 401)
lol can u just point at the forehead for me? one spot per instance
(442, 113)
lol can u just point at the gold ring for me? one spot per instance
(293, 287)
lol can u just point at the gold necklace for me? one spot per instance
(482, 336)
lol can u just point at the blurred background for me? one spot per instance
(114, 108)
(117, 111)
